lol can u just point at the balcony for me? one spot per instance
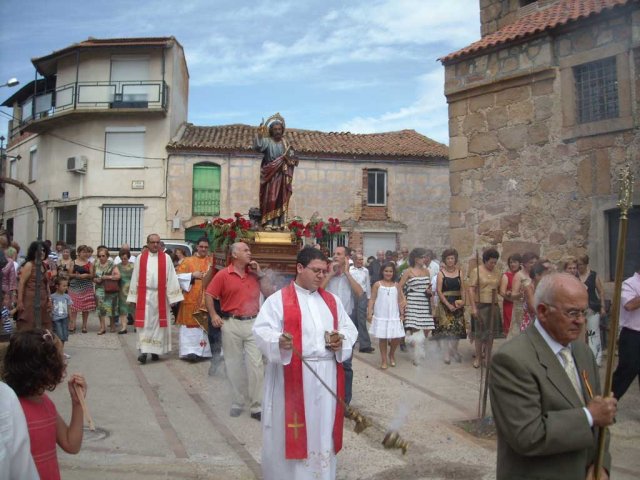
(46, 109)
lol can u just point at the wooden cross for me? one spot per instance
(295, 425)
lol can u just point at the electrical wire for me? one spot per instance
(90, 147)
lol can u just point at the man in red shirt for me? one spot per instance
(237, 288)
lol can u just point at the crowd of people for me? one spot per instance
(402, 299)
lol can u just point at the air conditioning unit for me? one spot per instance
(77, 164)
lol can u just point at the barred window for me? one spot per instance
(596, 86)
(331, 242)
(122, 224)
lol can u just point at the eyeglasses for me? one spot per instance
(573, 313)
(317, 271)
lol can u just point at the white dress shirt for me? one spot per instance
(361, 275)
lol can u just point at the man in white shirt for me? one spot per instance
(629, 352)
(340, 282)
(132, 258)
(361, 275)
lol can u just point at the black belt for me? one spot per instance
(241, 317)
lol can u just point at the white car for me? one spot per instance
(173, 244)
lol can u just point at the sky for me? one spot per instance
(362, 66)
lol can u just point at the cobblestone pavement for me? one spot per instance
(170, 420)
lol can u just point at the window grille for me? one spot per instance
(596, 90)
(122, 224)
(331, 242)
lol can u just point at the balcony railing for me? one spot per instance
(148, 94)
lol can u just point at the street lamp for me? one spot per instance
(12, 82)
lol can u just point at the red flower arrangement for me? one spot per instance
(316, 227)
(226, 231)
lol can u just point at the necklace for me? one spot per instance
(387, 287)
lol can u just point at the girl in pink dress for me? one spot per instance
(34, 363)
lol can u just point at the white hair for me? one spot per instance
(547, 288)
(234, 247)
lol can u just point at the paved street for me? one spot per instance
(169, 420)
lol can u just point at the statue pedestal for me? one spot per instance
(274, 251)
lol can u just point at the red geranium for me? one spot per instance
(315, 227)
(225, 231)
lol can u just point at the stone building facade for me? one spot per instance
(332, 180)
(544, 110)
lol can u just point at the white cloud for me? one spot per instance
(369, 32)
(427, 114)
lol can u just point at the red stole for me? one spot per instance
(141, 304)
(294, 418)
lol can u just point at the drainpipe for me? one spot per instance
(75, 90)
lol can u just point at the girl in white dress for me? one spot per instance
(386, 313)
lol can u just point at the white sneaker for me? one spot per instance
(66, 356)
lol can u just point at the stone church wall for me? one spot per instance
(523, 174)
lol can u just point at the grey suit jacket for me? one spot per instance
(543, 432)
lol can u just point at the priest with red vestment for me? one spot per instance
(154, 285)
(301, 421)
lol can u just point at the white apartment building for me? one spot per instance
(89, 138)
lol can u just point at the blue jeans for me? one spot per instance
(61, 328)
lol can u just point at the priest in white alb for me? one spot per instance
(301, 421)
(154, 285)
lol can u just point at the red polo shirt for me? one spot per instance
(238, 295)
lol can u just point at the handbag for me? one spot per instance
(111, 286)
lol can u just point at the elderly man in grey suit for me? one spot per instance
(545, 392)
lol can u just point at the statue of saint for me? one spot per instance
(276, 171)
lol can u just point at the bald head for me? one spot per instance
(556, 285)
(561, 304)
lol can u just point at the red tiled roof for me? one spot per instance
(232, 138)
(556, 15)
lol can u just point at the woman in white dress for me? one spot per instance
(385, 313)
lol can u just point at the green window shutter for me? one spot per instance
(206, 189)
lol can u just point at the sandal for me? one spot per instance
(383, 366)
(72, 330)
(476, 364)
(84, 330)
(102, 332)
